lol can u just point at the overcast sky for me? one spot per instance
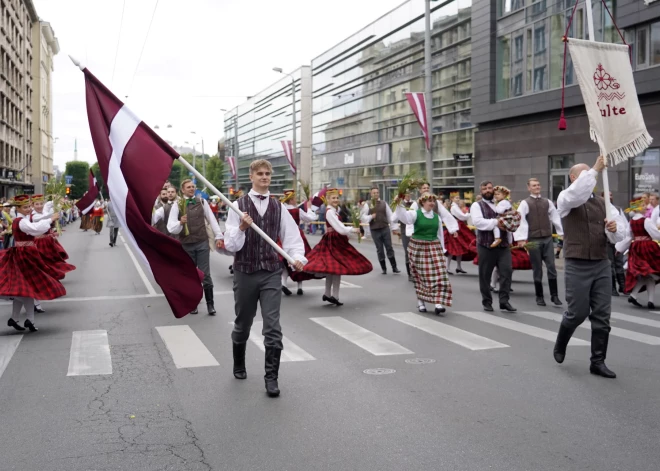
(200, 56)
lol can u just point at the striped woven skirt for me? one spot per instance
(428, 268)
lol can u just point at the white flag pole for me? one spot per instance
(257, 229)
(606, 181)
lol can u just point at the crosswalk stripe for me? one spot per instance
(291, 352)
(363, 338)
(518, 327)
(90, 353)
(636, 320)
(8, 345)
(447, 332)
(615, 332)
(186, 348)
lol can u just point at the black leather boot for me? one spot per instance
(239, 360)
(614, 291)
(383, 266)
(538, 287)
(208, 295)
(599, 340)
(272, 369)
(621, 279)
(563, 336)
(410, 278)
(554, 292)
(393, 263)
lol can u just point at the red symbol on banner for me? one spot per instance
(603, 80)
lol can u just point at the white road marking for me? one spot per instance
(548, 335)
(636, 320)
(8, 345)
(291, 352)
(615, 332)
(145, 280)
(363, 338)
(90, 353)
(186, 348)
(447, 332)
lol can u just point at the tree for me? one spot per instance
(80, 181)
(99, 178)
(215, 169)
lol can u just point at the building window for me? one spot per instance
(503, 67)
(518, 48)
(505, 7)
(655, 43)
(518, 85)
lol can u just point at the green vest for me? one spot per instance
(425, 228)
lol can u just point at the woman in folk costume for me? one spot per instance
(23, 276)
(299, 215)
(48, 243)
(97, 217)
(641, 242)
(460, 248)
(334, 256)
(86, 220)
(426, 253)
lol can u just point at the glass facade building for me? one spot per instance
(364, 131)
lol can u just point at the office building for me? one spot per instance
(517, 75)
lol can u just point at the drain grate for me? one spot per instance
(420, 361)
(379, 371)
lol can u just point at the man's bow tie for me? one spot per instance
(190, 201)
(262, 197)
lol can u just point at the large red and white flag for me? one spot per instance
(86, 203)
(288, 151)
(232, 166)
(418, 105)
(135, 162)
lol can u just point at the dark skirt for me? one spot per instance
(299, 276)
(334, 255)
(57, 266)
(85, 222)
(97, 223)
(22, 273)
(643, 260)
(463, 245)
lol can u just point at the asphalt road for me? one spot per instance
(112, 381)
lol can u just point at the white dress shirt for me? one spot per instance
(503, 206)
(458, 213)
(366, 218)
(305, 216)
(444, 215)
(47, 212)
(289, 232)
(175, 227)
(655, 215)
(579, 192)
(523, 209)
(650, 227)
(483, 224)
(33, 228)
(332, 218)
(159, 214)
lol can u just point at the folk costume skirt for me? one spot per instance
(97, 223)
(299, 276)
(334, 255)
(23, 274)
(429, 271)
(461, 246)
(519, 259)
(85, 222)
(643, 260)
(52, 257)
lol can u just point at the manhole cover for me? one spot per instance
(420, 361)
(379, 371)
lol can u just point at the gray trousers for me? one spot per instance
(383, 237)
(499, 257)
(616, 259)
(200, 254)
(113, 235)
(588, 293)
(405, 240)
(543, 253)
(263, 287)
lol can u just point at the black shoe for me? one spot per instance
(554, 292)
(599, 341)
(621, 279)
(272, 368)
(110, 244)
(450, 272)
(651, 305)
(615, 292)
(286, 291)
(488, 308)
(194, 311)
(507, 307)
(439, 311)
(555, 300)
(30, 325)
(634, 302)
(12, 323)
(600, 369)
(208, 295)
(239, 360)
(540, 301)
(299, 292)
(411, 279)
(332, 300)
(563, 336)
(421, 308)
(383, 267)
(393, 263)
(459, 270)
(211, 309)
(39, 309)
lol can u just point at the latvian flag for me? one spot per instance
(86, 203)
(418, 105)
(135, 162)
(232, 166)
(289, 152)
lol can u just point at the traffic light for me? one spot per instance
(68, 190)
(231, 190)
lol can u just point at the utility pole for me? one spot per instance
(236, 146)
(428, 92)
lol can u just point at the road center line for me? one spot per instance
(90, 353)
(145, 280)
(186, 348)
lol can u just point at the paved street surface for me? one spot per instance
(112, 381)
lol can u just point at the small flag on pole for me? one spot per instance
(288, 151)
(418, 105)
(86, 203)
(232, 166)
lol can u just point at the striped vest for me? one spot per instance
(256, 253)
(486, 238)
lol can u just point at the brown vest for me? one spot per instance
(379, 220)
(196, 224)
(584, 231)
(256, 254)
(538, 219)
(161, 225)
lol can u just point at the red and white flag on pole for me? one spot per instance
(232, 166)
(288, 151)
(86, 203)
(135, 162)
(418, 105)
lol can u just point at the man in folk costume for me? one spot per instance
(22, 273)
(113, 223)
(537, 216)
(587, 269)
(299, 214)
(258, 270)
(378, 215)
(406, 231)
(161, 214)
(191, 229)
(485, 219)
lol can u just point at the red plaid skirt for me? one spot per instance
(519, 260)
(299, 276)
(429, 270)
(334, 255)
(60, 249)
(643, 260)
(22, 273)
(463, 245)
(57, 267)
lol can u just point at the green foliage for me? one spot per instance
(99, 178)
(214, 170)
(80, 181)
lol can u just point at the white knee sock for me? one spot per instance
(336, 279)
(29, 308)
(300, 285)
(285, 275)
(438, 306)
(420, 303)
(638, 286)
(16, 309)
(328, 285)
(650, 288)
(449, 263)
(459, 259)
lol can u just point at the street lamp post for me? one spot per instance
(428, 91)
(234, 143)
(293, 103)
